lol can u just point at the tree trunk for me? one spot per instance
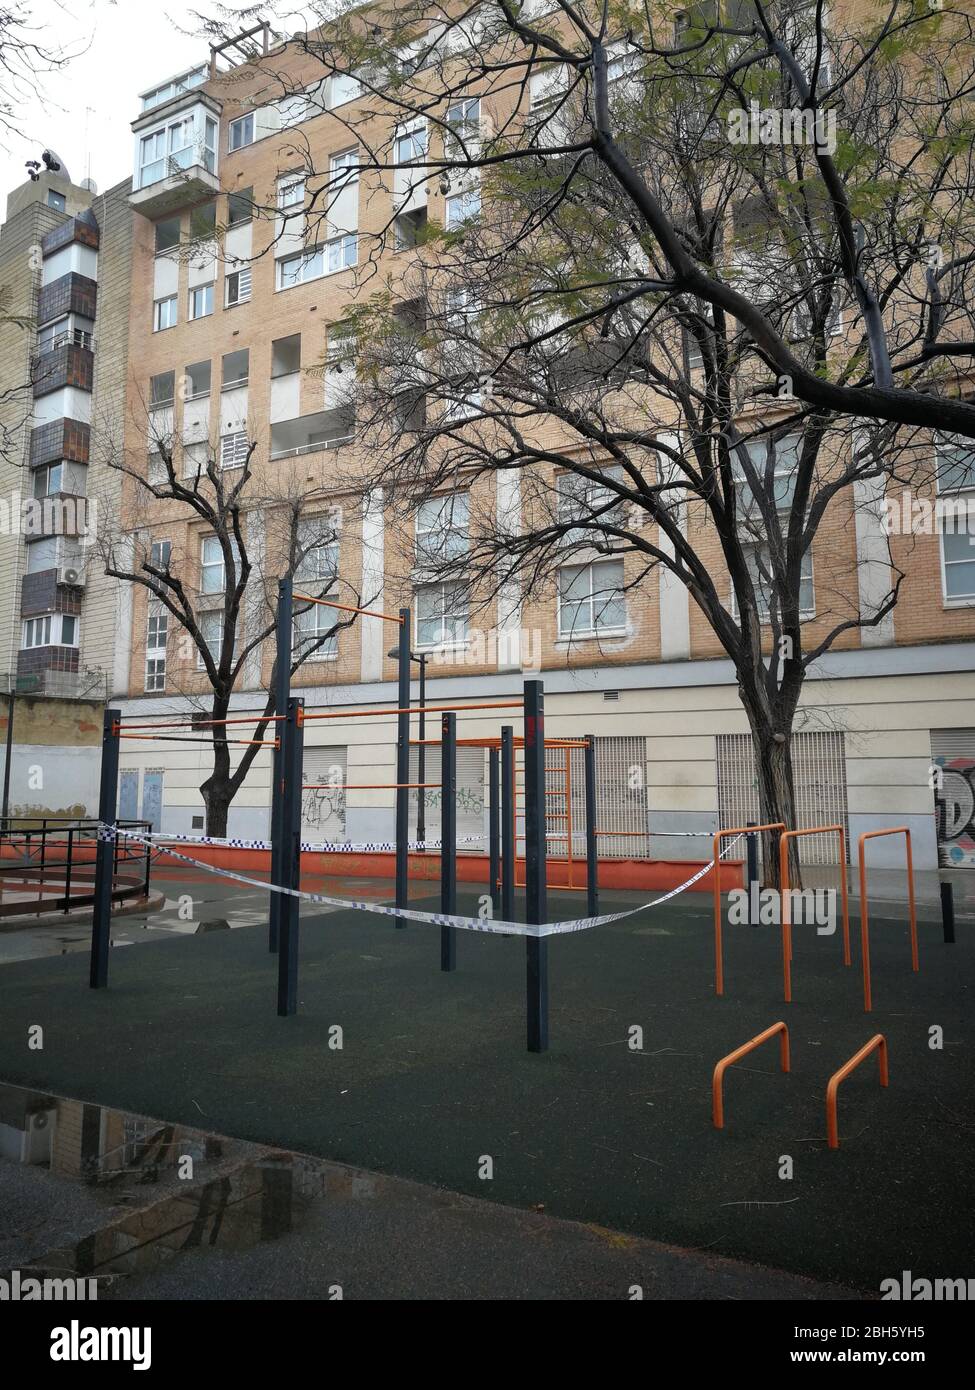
(776, 798)
(217, 797)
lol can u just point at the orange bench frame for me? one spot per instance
(784, 839)
(716, 876)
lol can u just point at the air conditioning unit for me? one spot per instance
(39, 1131)
(69, 574)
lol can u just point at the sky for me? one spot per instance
(119, 48)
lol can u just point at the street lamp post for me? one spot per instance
(421, 762)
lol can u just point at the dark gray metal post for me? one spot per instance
(508, 816)
(67, 872)
(5, 813)
(403, 766)
(101, 921)
(751, 871)
(948, 912)
(494, 825)
(291, 752)
(421, 755)
(448, 838)
(282, 694)
(592, 856)
(535, 866)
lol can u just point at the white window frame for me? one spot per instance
(47, 630)
(337, 249)
(595, 629)
(157, 626)
(207, 292)
(304, 261)
(457, 209)
(244, 278)
(453, 642)
(446, 516)
(291, 191)
(215, 615)
(215, 564)
(308, 626)
(233, 449)
(168, 309)
(244, 124)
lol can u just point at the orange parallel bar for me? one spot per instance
(864, 928)
(784, 839)
(716, 875)
(206, 723)
(206, 742)
(717, 1099)
(877, 1043)
(414, 709)
(347, 608)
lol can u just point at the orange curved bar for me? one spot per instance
(877, 1043)
(715, 874)
(864, 926)
(717, 1100)
(348, 608)
(784, 888)
(363, 786)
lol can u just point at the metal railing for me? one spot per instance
(57, 852)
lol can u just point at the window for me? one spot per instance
(164, 314)
(197, 382)
(159, 554)
(342, 252)
(201, 301)
(242, 132)
(56, 200)
(211, 632)
(591, 599)
(240, 207)
(464, 122)
(310, 628)
(233, 449)
(344, 167)
(410, 145)
(785, 461)
(955, 457)
(286, 355)
(461, 207)
(442, 528)
(583, 499)
(47, 481)
(319, 551)
(296, 270)
(156, 640)
(161, 389)
(167, 234)
(409, 227)
(955, 462)
(52, 630)
(195, 459)
(238, 284)
(291, 191)
(442, 614)
(213, 578)
(157, 470)
(758, 563)
(235, 368)
(203, 222)
(958, 558)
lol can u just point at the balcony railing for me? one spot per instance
(313, 447)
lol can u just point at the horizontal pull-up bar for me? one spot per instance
(716, 875)
(364, 786)
(205, 723)
(204, 742)
(864, 921)
(427, 709)
(786, 913)
(347, 608)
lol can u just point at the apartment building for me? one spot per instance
(64, 343)
(233, 343)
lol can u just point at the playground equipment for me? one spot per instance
(878, 1044)
(715, 871)
(289, 723)
(46, 864)
(864, 925)
(717, 1080)
(784, 839)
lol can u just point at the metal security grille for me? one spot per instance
(323, 810)
(470, 796)
(953, 754)
(621, 799)
(819, 772)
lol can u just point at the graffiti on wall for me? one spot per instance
(954, 799)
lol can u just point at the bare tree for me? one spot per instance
(703, 291)
(226, 610)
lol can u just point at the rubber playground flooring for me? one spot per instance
(433, 1080)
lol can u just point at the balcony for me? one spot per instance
(176, 155)
(60, 439)
(173, 183)
(308, 434)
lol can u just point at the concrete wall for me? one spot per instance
(56, 758)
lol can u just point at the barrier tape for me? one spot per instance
(437, 919)
(310, 847)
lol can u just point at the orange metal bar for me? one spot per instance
(568, 813)
(717, 1099)
(716, 875)
(172, 738)
(429, 709)
(878, 1043)
(347, 608)
(205, 723)
(785, 890)
(864, 928)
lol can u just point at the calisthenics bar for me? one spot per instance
(205, 723)
(367, 786)
(347, 608)
(428, 709)
(204, 742)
